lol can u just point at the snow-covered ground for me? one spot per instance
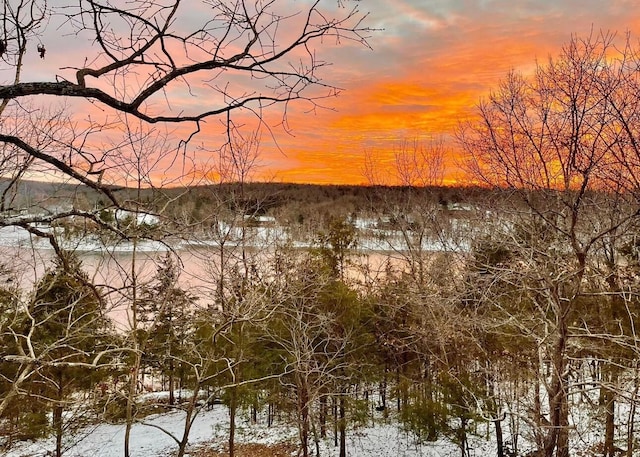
(17, 237)
(370, 241)
(210, 428)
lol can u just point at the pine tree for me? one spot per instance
(167, 314)
(16, 422)
(69, 328)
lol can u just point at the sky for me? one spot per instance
(427, 65)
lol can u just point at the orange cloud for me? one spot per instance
(429, 65)
(421, 80)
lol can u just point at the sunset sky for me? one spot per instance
(428, 64)
(428, 67)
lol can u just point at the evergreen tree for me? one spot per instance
(66, 324)
(16, 420)
(167, 312)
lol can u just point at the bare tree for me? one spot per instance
(244, 58)
(313, 332)
(414, 163)
(420, 163)
(373, 170)
(558, 139)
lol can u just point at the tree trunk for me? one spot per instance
(428, 397)
(316, 439)
(609, 422)
(499, 440)
(383, 392)
(563, 432)
(323, 416)
(343, 427)
(399, 396)
(335, 421)
(632, 415)
(557, 439)
(57, 416)
(137, 350)
(233, 406)
(188, 420)
(463, 437)
(172, 398)
(537, 409)
(57, 425)
(133, 377)
(514, 420)
(303, 406)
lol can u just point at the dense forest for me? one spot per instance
(504, 311)
(483, 308)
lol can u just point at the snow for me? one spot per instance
(17, 237)
(139, 217)
(371, 241)
(381, 439)
(107, 440)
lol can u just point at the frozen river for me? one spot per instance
(115, 267)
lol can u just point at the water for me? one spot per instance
(114, 269)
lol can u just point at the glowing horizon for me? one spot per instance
(428, 66)
(428, 69)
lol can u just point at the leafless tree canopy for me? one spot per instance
(157, 49)
(519, 301)
(565, 142)
(144, 59)
(570, 126)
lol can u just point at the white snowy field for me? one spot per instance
(211, 427)
(373, 240)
